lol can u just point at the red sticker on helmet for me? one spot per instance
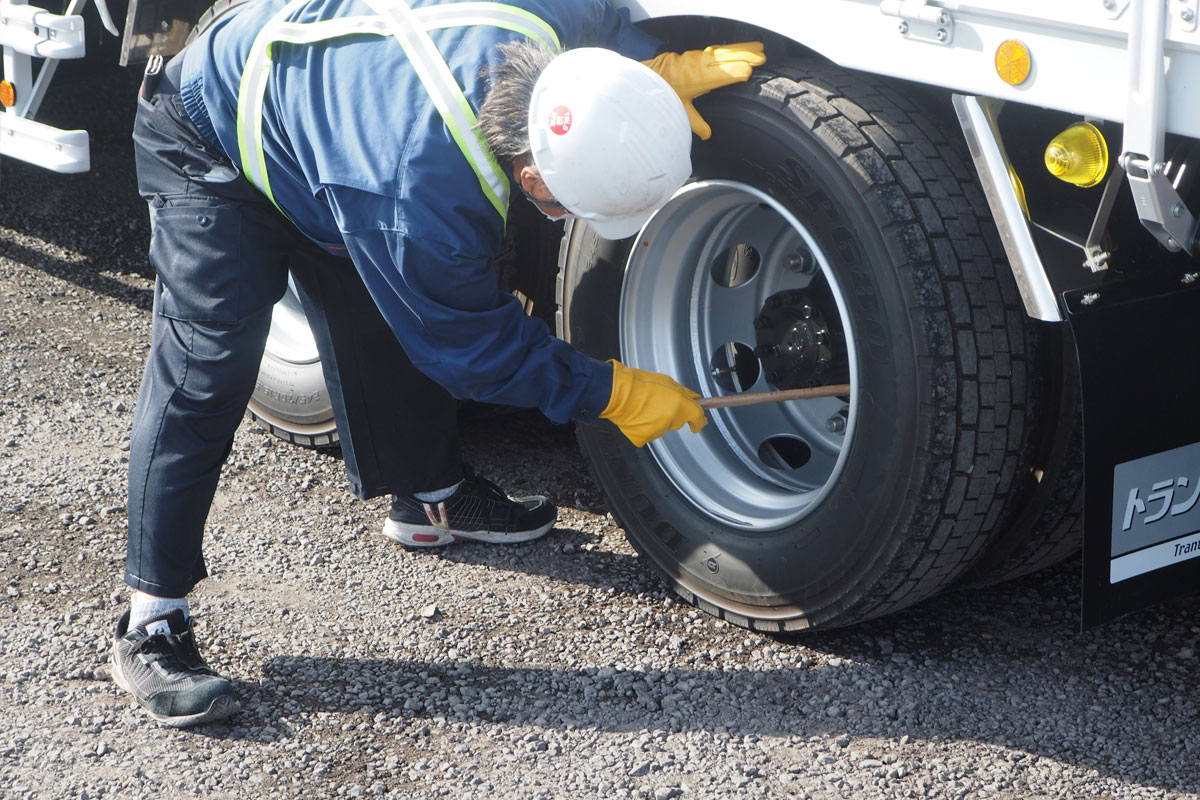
(560, 120)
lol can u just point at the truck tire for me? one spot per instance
(214, 13)
(827, 205)
(290, 398)
(1049, 528)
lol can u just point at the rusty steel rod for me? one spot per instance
(778, 396)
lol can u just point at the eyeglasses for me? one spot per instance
(554, 204)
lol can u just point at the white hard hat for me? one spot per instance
(610, 138)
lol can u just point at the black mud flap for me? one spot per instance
(1139, 358)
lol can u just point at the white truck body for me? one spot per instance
(1080, 48)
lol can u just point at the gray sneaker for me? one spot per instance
(158, 664)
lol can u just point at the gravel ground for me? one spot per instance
(560, 668)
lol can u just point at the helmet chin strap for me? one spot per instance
(551, 217)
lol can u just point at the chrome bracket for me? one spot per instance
(920, 20)
(978, 118)
(1161, 209)
(1096, 258)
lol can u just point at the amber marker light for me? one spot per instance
(1013, 62)
(1078, 155)
(8, 94)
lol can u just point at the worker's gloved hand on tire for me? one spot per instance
(695, 72)
(645, 405)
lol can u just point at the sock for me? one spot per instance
(143, 607)
(438, 494)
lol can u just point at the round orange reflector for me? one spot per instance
(1013, 62)
(8, 94)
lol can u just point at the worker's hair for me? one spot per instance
(504, 114)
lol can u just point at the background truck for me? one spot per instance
(980, 215)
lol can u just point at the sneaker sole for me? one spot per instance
(221, 707)
(427, 536)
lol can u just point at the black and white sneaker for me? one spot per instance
(479, 511)
(158, 664)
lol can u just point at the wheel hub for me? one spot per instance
(794, 341)
(686, 312)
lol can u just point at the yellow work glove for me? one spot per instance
(645, 405)
(695, 72)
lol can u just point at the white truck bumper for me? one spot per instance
(28, 32)
(55, 149)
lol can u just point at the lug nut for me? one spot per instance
(801, 261)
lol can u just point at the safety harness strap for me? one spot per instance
(410, 29)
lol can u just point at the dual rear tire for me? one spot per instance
(827, 205)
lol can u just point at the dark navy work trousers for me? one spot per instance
(222, 254)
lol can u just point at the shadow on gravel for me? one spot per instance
(1004, 666)
(86, 274)
(626, 574)
(1086, 732)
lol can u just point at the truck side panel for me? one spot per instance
(1078, 47)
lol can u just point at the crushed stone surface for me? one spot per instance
(561, 668)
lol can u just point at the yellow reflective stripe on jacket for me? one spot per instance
(410, 29)
(251, 94)
(514, 19)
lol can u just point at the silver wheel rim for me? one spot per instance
(732, 471)
(290, 338)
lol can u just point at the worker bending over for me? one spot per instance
(369, 149)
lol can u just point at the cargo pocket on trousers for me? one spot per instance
(196, 251)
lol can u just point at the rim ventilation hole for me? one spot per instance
(734, 367)
(736, 266)
(784, 452)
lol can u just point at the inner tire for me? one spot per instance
(290, 397)
(774, 517)
(1049, 527)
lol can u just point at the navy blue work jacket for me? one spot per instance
(360, 160)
